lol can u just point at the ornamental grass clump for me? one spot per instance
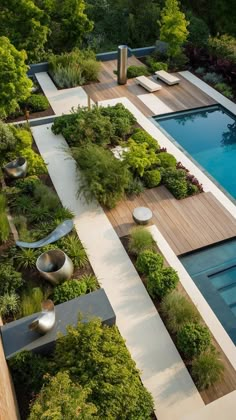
(207, 369)
(140, 240)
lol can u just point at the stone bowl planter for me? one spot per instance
(46, 320)
(142, 215)
(16, 169)
(55, 266)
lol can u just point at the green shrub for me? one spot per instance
(9, 304)
(140, 240)
(73, 247)
(162, 282)
(70, 289)
(225, 89)
(152, 178)
(200, 70)
(24, 139)
(149, 261)
(141, 136)
(213, 78)
(135, 187)
(26, 258)
(7, 140)
(154, 65)
(31, 301)
(135, 71)
(192, 339)
(167, 160)
(175, 181)
(122, 120)
(192, 189)
(62, 399)
(103, 176)
(139, 157)
(10, 279)
(36, 103)
(207, 369)
(178, 311)
(27, 185)
(4, 225)
(35, 162)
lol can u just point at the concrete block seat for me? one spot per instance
(167, 77)
(147, 83)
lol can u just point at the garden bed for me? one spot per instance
(227, 383)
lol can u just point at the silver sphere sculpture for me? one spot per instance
(55, 266)
(17, 168)
(46, 320)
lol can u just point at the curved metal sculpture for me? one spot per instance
(16, 169)
(55, 266)
(61, 230)
(46, 320)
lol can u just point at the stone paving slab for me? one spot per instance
(162, 369)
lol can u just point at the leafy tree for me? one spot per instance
(198, 31)
(62, 399)
(23, 23)
(173, 28)
(68, 23)
(96, 357)
(14, 83)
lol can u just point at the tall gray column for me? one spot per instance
(122, 64)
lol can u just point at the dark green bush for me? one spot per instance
(192, 339)
(102, 175)
(135, 187)
(175, 181)
(192, 189)
(207, 369)
(135, 71)
(122, 120)
(70, 289)
(154, 65)
(140, 240)
(167, 160)
(10, 279)
(178, 311)
(152, 178)
(141, 136)
(27, 185)
(149, 261)
(36, 103)
(162, 282)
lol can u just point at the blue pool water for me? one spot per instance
(209, 136)
(214, 272)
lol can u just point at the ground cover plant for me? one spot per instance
(36, 211)
(183, 321)
(101, 376)
(74, 68)
(91, 134)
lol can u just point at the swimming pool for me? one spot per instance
(213, 270)
(209, 137)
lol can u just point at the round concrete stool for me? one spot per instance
(142, 215)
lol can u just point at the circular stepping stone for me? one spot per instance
(142, 215)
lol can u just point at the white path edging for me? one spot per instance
(217, 96)
(162, 369)
(192, 290)
(164, 141)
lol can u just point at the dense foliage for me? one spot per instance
(193, 338)
(14, 83)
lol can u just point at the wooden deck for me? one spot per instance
(187, 224)
(178, 97)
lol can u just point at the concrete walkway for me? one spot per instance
(162, 369)
(217, 96)
(62, 100)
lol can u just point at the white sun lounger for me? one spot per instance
(167, 77)
(147, 83)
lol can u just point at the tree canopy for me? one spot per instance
(14, 84)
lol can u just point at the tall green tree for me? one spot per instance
(173, 28)
(61, 399)
(14, 84)
(96, 357)
(22, 22)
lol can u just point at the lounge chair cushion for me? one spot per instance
(167, 77)
(147, 83)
